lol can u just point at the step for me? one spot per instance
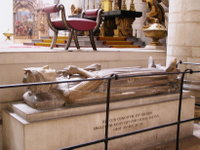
(98, 44)
(36, 40)
(28, 44)
(48, 45)
(84, 45)
(62, 41)
(50, 37)
(109, 38)
(118, 42)
(125, 46)
(42, 44)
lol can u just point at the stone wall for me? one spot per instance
(183, 38)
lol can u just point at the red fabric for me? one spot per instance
(81, 24)
(75, 23)
(59, 25)
(51, 9)
(91, 12)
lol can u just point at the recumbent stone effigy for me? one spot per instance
(58, 95)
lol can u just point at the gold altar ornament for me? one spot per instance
(8, 35)
(132, 6)
(116, 5)
(154, 26)
(124, 5)
(107, 5)
(155, 31)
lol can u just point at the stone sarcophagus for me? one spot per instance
(62, 115)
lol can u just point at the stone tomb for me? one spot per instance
(26, 128)
(139, 103)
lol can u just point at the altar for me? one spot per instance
(117, 19)
(118, 22)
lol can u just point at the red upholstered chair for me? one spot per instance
(56, 25)
(90, 21)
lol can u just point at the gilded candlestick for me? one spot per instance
(116, 5)
(124, 5)
(132, 5)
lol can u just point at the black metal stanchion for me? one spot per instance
(108, 109)
(107, 114)
(180, 107)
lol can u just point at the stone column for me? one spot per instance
(184, 39)
(183, 30)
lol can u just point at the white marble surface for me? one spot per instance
(31, 115)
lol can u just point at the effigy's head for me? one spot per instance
(39, 74)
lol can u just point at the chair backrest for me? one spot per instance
(57, 8)
(94, 14)
(51, 9)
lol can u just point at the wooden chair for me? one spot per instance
(90, 21)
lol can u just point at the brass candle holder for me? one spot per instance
(116, 5)
(132, 6)
(124, 5)
(107, 5)
(155, 31)
(8, 35)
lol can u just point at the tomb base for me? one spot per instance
(25, 128)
